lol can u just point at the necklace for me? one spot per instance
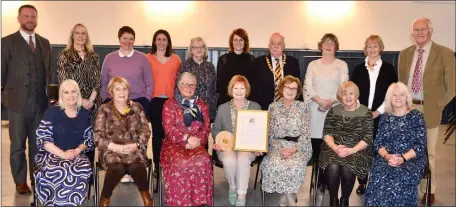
(348, 115)
(284, 59)
(117, 113)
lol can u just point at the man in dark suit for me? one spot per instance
(428, 69)
(26, 66)
(268, 70)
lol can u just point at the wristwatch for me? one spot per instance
(405, 160)
(138, 145)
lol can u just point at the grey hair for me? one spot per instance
(425, 19)
(277, 33)
(63, 86)
(185, 74)
(389, 96)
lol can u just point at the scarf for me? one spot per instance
(191, 110)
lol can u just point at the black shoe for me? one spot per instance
(361, 189)
(343, 202)
(334, 202)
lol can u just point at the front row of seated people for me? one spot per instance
(121, 132)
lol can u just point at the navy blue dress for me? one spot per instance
(63, 182)
(398, 186)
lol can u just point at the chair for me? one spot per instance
(263, 193)
(98, 168)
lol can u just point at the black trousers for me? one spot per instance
(116, 171)
(158, 134)
(23, 125)
(364, 181)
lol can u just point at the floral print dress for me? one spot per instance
(187, 172)
(281, 175)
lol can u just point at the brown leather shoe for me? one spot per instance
(23, 189)
(431, 199)
(104, 202)
(147, 198)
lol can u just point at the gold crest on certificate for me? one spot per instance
(251, 131)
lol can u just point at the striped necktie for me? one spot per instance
(277, 79)
(417, 80)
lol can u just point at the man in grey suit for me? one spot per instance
(26, 66)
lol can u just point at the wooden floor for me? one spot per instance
(445, 194)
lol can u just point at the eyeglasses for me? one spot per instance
(290, 89)
(198, 48)
(187, 85)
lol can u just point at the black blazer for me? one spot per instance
(386, 76)
(262, 80)
(15, 69)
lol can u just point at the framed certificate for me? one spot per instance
(251, 131)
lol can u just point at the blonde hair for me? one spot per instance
(374, 38)
(239, 79)
(344, 86)
(117, 81)
(88, 44)
(193, 40)
(389, 93)
(63, 86)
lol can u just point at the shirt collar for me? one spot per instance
(426, 47)
(128, 55)
(377, 64)
(274, 59)
(26, 36)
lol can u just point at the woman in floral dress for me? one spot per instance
(186, 164)
(284, 167)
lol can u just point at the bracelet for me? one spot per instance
(405, 160)
(138, 145)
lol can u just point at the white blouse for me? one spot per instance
(322, 80)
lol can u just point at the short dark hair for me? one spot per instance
(26, 6)
(126, 29)
(169, 48)
(242, 34)
(331, 37)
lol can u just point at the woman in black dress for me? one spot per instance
(236, 62)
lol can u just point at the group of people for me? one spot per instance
(366, 123)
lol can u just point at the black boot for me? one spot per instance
(343, 202)
(334, 202)
(361, 189)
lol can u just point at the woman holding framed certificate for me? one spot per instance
(236, 164)
(284, 167)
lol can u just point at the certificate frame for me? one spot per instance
(260, 119)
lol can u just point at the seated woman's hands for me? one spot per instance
(287, 152)
(216, 147)
(193, 142)
(123, 148)
(394, 160)
(345, 151)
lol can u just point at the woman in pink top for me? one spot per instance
(164, 66)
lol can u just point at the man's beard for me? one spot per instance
(28, 27)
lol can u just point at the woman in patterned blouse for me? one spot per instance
(346, 151)
(205, 73)
(400, 148)
(79, 62)
(284, 167)
(121, 134)
(236, 165)
(187, 167)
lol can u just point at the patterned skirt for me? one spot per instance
(62, 182)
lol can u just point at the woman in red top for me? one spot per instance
(186, 164)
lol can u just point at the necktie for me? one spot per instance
(277, 79)
(417, 79)
(32, 46)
